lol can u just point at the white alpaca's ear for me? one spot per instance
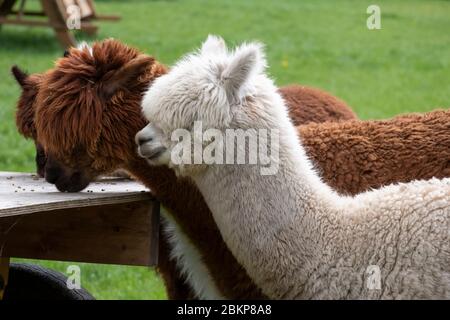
(213, 45)
(246, 61)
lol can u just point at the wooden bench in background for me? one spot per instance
(113, 221)
(57, 15)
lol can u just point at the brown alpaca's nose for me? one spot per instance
(52, 174)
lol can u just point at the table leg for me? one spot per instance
(4, 270)
(5, 8)
(58, 23)
(65, 38)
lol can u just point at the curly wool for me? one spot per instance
(357, 156)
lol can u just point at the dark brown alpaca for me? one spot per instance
(361, 147)
(321, 106)
(102, 143)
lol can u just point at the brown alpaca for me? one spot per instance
(306, 105)
(68, 109)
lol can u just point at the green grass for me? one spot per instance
(405, 67)
(112, 282)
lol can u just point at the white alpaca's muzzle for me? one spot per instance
(150, 147)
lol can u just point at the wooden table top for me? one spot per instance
(26, 193)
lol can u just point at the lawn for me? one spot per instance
(404, 67)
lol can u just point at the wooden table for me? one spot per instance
(113, 221)
(57, 15)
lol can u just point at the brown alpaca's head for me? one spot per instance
(25, 112)
(88, 111)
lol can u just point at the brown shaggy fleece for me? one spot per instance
(355, 156)
(311, 105)
(108, 63)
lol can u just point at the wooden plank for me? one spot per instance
(58, 22)
(24, 193)
(4, 271)
(125, 234)
(86, 10)
(6, 7)
(29, 13)
(85, 26)
(31, 23)
(89, 28)
(84, 7)
(107, 17)
(96, 16)
(21, 9)
(62, 5)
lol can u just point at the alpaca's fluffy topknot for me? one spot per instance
(86, 93)
(94, 62)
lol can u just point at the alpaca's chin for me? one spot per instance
(158, 157)
(189, 170)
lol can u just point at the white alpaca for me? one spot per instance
(295, 236)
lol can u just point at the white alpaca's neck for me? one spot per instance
(259, 216)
